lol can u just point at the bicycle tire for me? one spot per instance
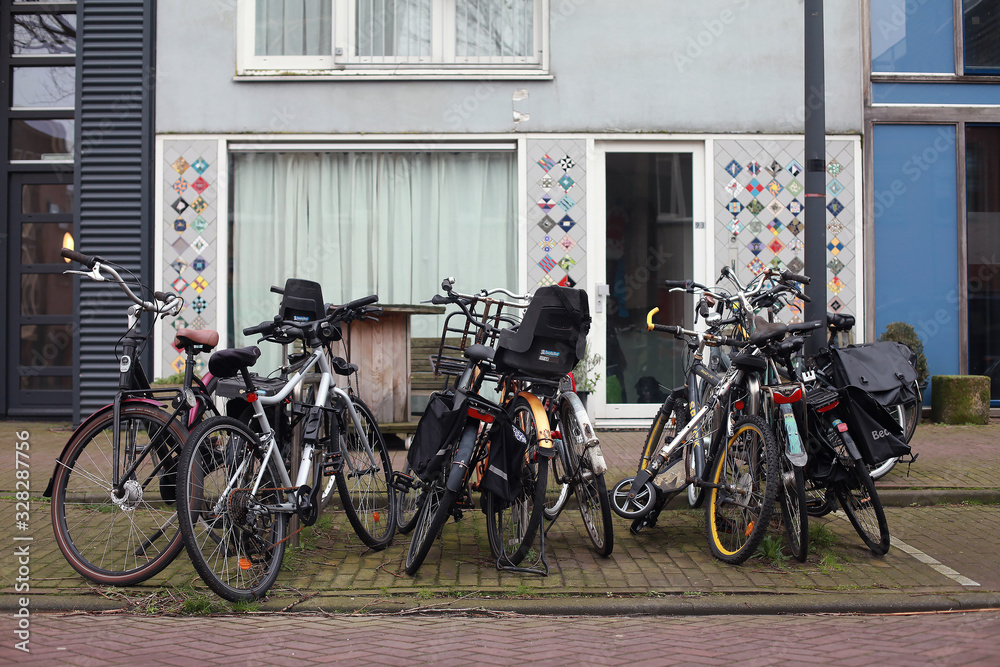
(365, 486)
(590, 488)
(511, 526)
(794, 510)
(85, 516)
(864, 508)
(235, 544)
(435, 508)
(746, 474)
(407, 507)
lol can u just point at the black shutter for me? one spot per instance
(115, 92)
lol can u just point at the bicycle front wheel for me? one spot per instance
(745, 488)
(365, 482)
(591, 490)
(232, 532)
(119, 539)
(435, 508)
(511, 525)
(407, 506)
(794, 513)
(863, 507)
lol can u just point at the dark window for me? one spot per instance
(41, 139)
(981, 26)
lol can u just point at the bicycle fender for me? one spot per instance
(47, 493)
(460, 464)
(591, 445)
(545, 446)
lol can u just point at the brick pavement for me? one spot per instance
(671, 559)
(301, 639)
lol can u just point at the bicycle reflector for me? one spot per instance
(476, 414)
(794, 397)
(245, 564)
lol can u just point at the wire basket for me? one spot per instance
(459, 333)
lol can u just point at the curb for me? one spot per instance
(679, 605)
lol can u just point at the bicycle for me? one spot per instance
(113, 489)
(236, 491)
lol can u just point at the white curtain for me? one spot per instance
(293, 28)
(392, 224)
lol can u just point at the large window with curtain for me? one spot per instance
(338, 37)
(364, 222)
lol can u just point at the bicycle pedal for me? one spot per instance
(403, 482)
(333, 463)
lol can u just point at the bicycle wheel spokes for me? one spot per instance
(863, 507)
(119, 538)
(364, 482)
(234, 538)
(591, 490)
(793, 508)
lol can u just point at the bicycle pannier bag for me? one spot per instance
(437, 427)
(503, 473)
(877, 435)
(551, 338)
(883, 369)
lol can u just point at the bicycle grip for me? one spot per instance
(796, 278)
(802, 295)
(86, 260)
(683, 284)
(649, 319)
(263, 327)
(278, 290)
(667, 328)
(360, 303)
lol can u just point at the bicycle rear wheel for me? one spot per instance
(794, 514)
(407, 506)
(511, 525)
(110, 540)
(558, 488)
(435, 508)
(739, 507)
(234, 538)
(591, 490)
(863, 507)
(365, 482)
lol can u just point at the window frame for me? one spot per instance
(342, 64)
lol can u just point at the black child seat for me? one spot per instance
(552, 336)
(302, 301)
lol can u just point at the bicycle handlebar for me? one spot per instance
(86, 260)
(171, 303)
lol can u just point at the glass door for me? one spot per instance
(653, 230)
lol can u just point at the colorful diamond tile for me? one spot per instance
(546, 244)
(835, 227)
(567, 263)
(835, 207)
(795, 207)
(180, 205)
(180, 245)
(834, 168)
(774, 187)
(179, 186)
(797, 305)
(795, 226)
(199, 284)
(200, 165)
(199, 264)
(200, 185)
(796, 244)
(835, 265)
(756, 266)
(567, 163)
(546, 162)
(776, 245)
(775, 207)
(567, 223)
(733, 168)
(199, 323)
(755, 226)
(545, 203)
(777, 263)
(179, 285)
(566, 183)
(734, 226)
(180, 165)
(755, 207)
(546, 182)
(567, 243)
(835, 246)
(179, 323)
(547, 263)
(566, 203)
(774, 168)
(199, 204)
(836, 285)
(794, 168)
(794, 188)
(753, 167)
(756, 246)
(567, 282)
(180, 224)
(754, 187)
(178, 265)
(836, 305)
(796, 265)
(199, 244)
(547, 223)
(734, 206)
(775, 226)
(834, 187)
(199, 224)
(733, 187)
(200, 366)
(199, 305)
(546, 281)
(178, 365)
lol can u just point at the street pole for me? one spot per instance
(815, 181)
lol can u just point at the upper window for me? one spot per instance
(913, 37)
(981, 32)
(392, 37)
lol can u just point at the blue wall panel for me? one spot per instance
(912, 36)
(916, 237)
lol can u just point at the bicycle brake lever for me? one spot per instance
(94, 274)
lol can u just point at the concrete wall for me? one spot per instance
(618, 65)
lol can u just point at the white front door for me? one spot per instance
(649, 226)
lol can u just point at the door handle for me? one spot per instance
(603, 290)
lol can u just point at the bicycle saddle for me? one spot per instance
(479, 352)
(766, 331)
(229, 363)
(201, 340)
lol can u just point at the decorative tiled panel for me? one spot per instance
(557, 212)
(189, 226)
(759, 221)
